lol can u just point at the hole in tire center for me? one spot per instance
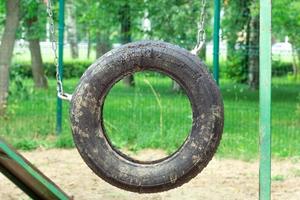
(147, 116)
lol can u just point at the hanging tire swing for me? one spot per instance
(86, 113)
(118, 169)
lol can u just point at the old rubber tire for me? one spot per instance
(118, 169)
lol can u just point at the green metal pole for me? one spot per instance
(26, 176)
(217, 12)
(265, 100)
(60, 61)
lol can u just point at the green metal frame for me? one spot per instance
(265, 86)
(27, 177)
(61, 28)
(265, 89)
(19, 170)
(265, 54)
(216, 53)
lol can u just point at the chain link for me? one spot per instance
(59, 87)
(201, 35)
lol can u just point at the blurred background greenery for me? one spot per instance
(137, 116)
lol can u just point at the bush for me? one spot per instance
(72, 69)
(19, 90)
(235, 68)
(281, 68)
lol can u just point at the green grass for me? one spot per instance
(279, 178)
(152, 116)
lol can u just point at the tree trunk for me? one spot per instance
(40, 80)
(6, 49)
(126, 35)
(71, 28)
(253, 74)
(32, 36)
(102, 45)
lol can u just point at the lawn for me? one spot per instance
(151, 115)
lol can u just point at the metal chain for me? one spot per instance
(201, 36)
(59, 87)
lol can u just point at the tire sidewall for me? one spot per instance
(89, 132)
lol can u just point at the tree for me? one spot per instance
(96, 22)
(253, 52)
(241, 30)
(125, 20)
(106, 22)
(176, 21)
(6, 49)
(71, 28)
(235, 25)
(286, 22)
(102, 43)
(35, 27)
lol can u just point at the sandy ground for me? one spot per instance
(222, 179)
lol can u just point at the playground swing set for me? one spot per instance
(182, 66)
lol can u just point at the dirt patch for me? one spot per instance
(222, 179)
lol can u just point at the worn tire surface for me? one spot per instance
(115, 167)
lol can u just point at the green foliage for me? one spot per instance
(2, 14)
(286, 20)
(278, 178)
(240, 34)
(237, 16)
(235, 68)
(172, 20)
(72, 69)
(33, 20)
(27, 144)
(177, 21)
(298, 107)
(19, 90)
(98, 18)
(64, 141)
(281, 68)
